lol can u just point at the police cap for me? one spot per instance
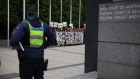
(31, 10)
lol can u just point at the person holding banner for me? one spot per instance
(31, 37)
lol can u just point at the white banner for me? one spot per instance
(68, 38)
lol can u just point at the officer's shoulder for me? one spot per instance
(24, 24)
(20, 25)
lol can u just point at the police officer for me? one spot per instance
(29, 40)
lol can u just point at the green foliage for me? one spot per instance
(75, 13)
(3, 18)
(3, 12)
(44, 10)
(66, 11)
(16, 11)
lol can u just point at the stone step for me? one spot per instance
(90, 75)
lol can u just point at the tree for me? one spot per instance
(16, 12)
(3, 19)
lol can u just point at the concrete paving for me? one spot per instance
(64, 62)
(90, 75)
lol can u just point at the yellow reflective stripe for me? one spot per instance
(36, 42)
(28, 23)
(36, 37)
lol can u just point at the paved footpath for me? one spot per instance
(64, 62)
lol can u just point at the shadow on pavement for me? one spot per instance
(16, 75)
(9, 76)
(65, 66)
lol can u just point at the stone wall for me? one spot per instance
(119, 41)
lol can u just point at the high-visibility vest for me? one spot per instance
(36, 35)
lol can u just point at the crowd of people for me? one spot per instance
(69, 29)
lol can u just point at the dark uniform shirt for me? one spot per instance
(22, 35)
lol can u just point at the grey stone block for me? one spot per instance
(107, 70)
(119, 53)
(90, 75)
(119, 44)
(136, 55)
(113, 52)
(120, 12)
(119, 32)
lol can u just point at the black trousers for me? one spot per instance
(30, 67)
